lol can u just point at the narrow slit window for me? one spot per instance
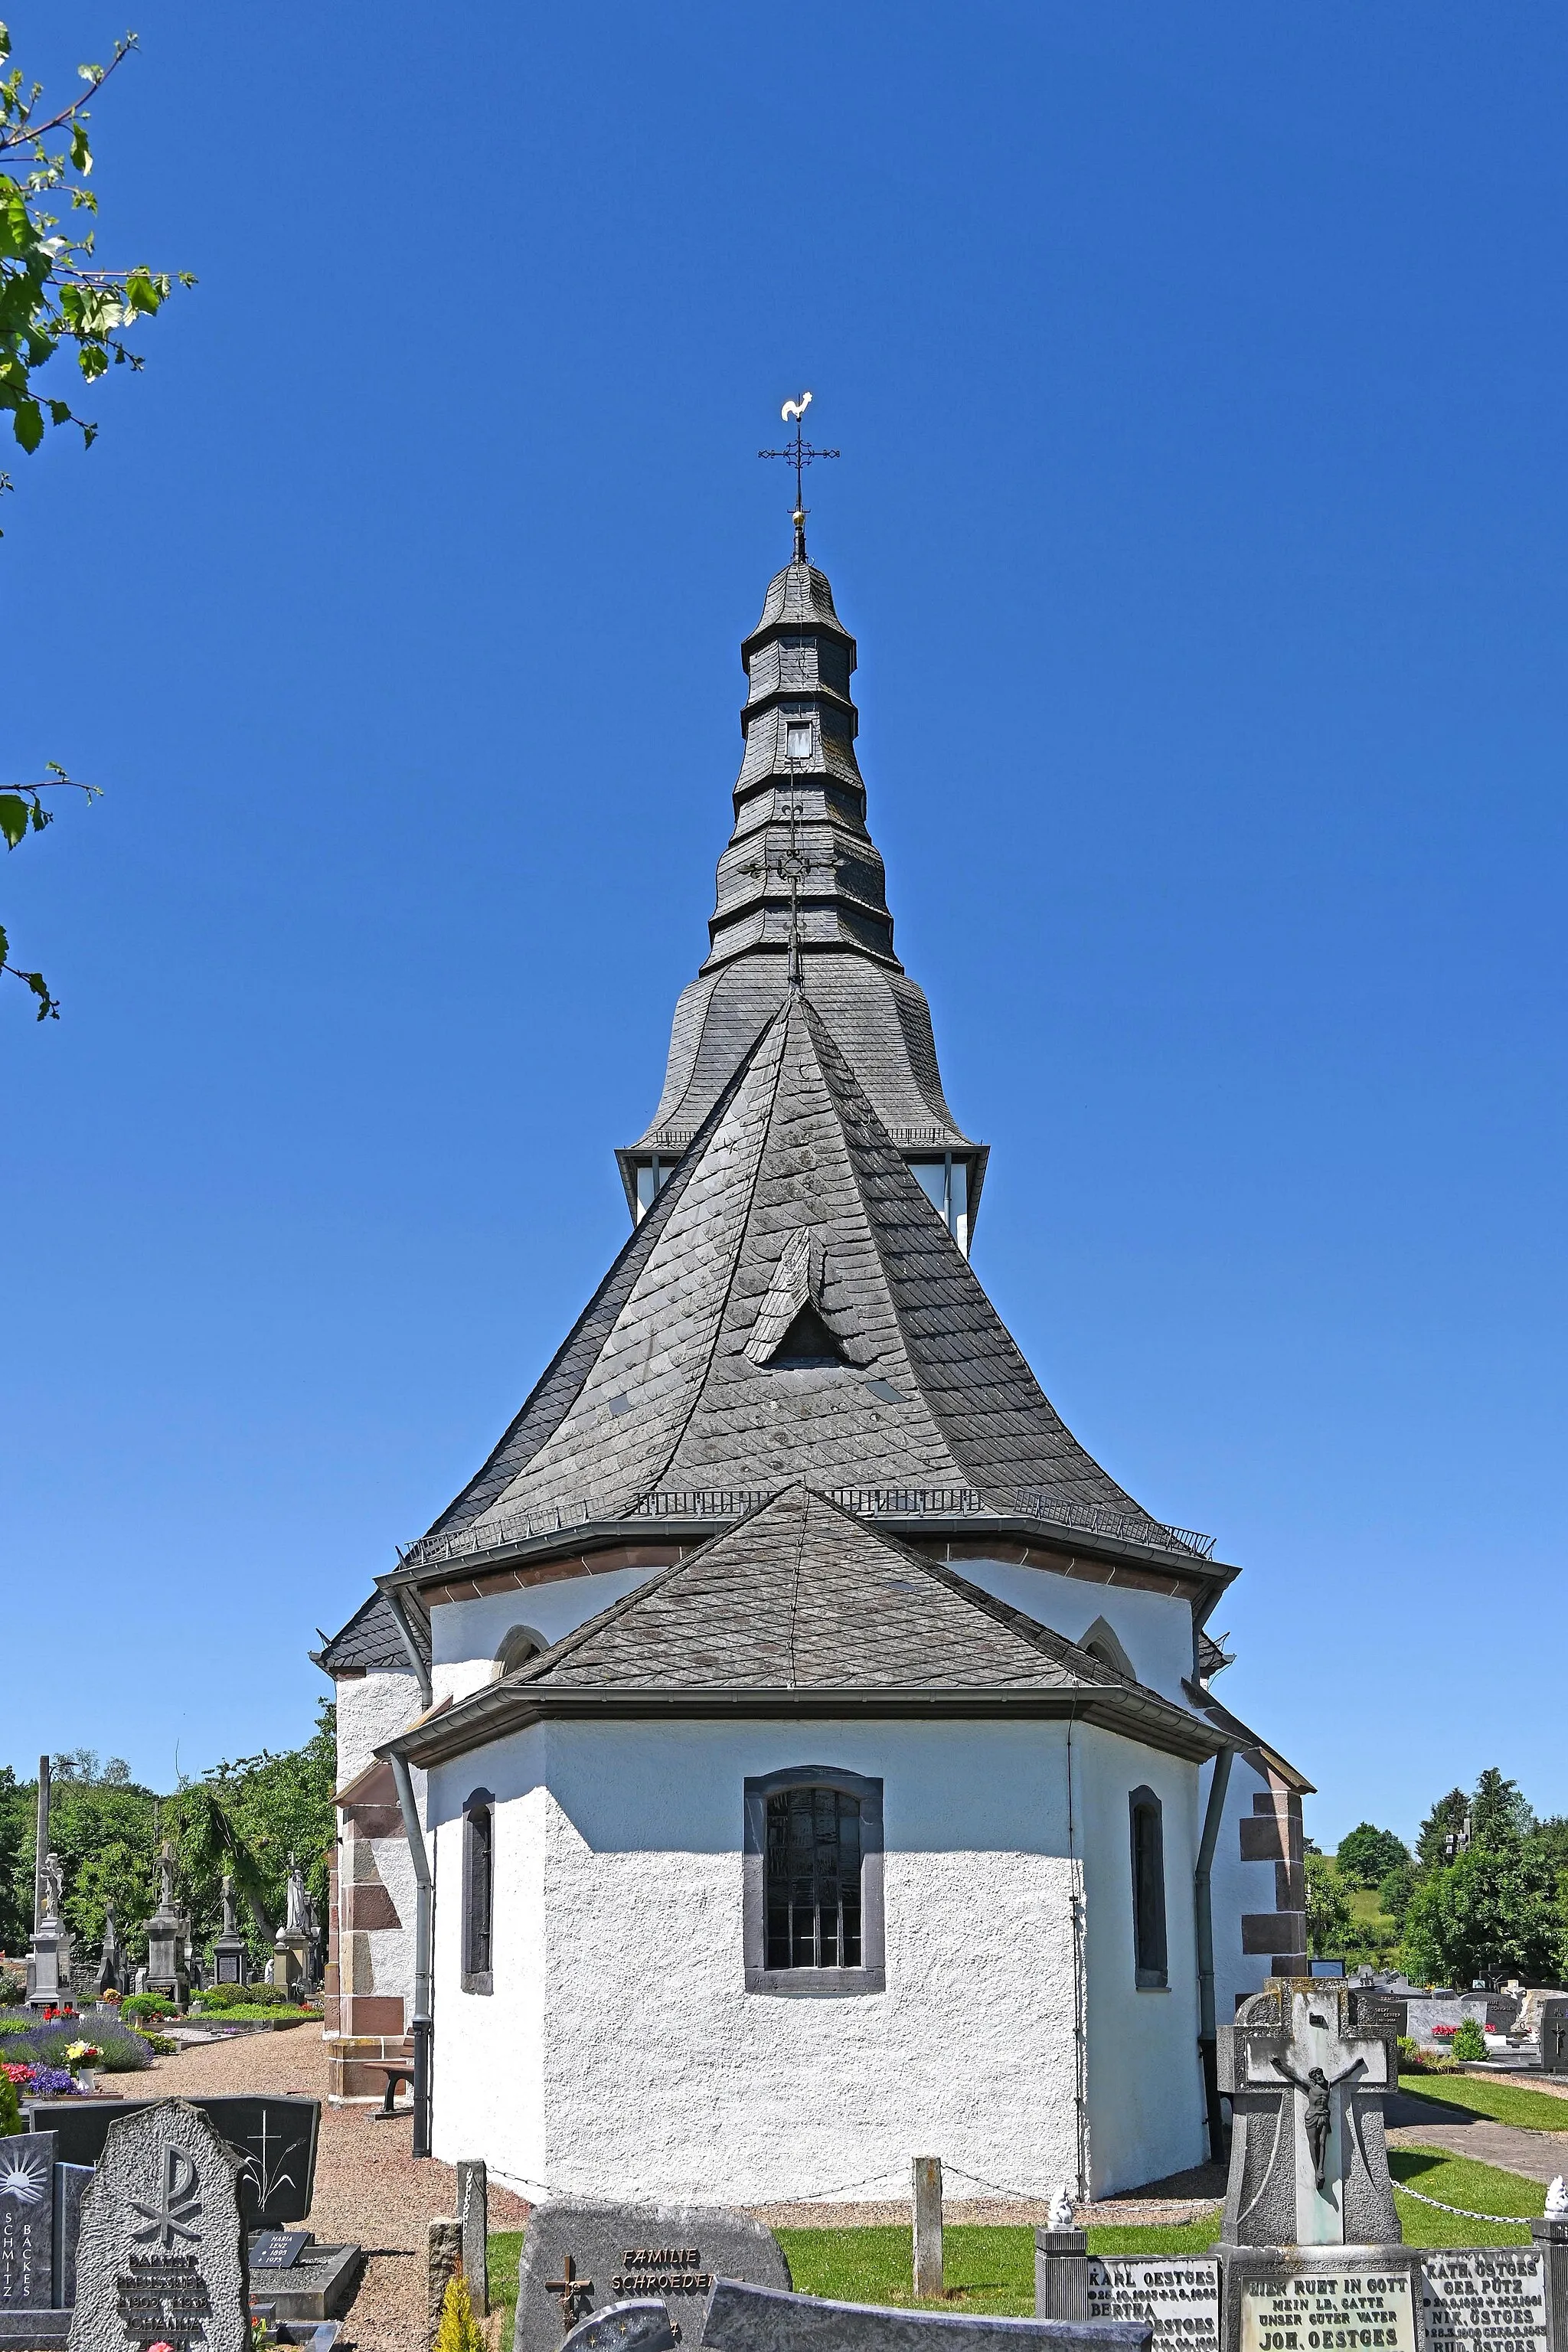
(812, 1879)
(478, 1890)
(1148, 1954)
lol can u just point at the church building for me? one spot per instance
(792, 1752)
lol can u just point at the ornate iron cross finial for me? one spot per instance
(799, 454)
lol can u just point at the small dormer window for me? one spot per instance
(652, 1177)
(797, 739)
(945, 1183)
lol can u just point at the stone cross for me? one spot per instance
(160, 2258)
(1308, 2162)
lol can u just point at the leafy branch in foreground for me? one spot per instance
(22, 812)
(52, 292)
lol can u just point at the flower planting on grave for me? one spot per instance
(58, 2047)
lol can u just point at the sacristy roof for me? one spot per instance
(801, 1608)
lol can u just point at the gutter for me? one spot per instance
(513, 1706)
(423, 1921)
(1202, 1906)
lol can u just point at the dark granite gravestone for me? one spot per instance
(759, 2319)
(27, 2222)
(71, 2184)
(276, 2137)
(161, 2257)
(582, 2253)
(1552, 2036)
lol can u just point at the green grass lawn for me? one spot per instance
(992, 2268)
(1456, 2180)
(1488, 2094)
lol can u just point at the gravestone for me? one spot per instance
(231, 1955)
(1309, 2165)
(1178, 2295)
(1551, 2035)
(582, 2253)
(160, 2258)
(27, 2222)
(1477, 2298)
(1309, 2251)
(760, 2319)
(1296, 2299)
(71, 2184)
(276, 2137)
(167, 1932)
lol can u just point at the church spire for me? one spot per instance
(802, 906)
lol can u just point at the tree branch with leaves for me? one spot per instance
(56, 298)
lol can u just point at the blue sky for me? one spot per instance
(1199, 374)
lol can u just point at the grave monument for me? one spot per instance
(231, 1959)
(114, 1962)
(583, 2254)
(166, 1934)
(50, 1957)
(161, 2259)
(291, 1945)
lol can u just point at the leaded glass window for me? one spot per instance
(1148, 1955)
(478, 1890)
(812, 1879)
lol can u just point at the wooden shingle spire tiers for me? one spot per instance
(801, 867)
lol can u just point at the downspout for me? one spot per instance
(1202, 1905)
(416, 1658)
(415, 1833)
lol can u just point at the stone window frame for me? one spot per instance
(479, 1801)
(871, 1976)
(1148, 1934)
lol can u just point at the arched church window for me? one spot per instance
(1148, 1954)
(479, 1891)
(517, 1644)
(814, 1882)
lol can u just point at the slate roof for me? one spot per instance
(655, 1390)
(798, 662)
(802, 1605)
(369, 1644)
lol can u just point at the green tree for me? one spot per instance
(1495, 1910)
(1394, 1890)
(1499, 1814)
(1438, 1840)
(55, 300)
(17, 1819)
(273, 1806)
(1328, 1909)
(1366, 1854)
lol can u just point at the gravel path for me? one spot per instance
(368, 2186)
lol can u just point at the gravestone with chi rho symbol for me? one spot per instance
(160, 2258)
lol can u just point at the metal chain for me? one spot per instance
(1518, 2220)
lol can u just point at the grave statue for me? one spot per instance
(111, 1958)
(54, 1889)
(50, 1958)
(167, 1936)
(1318, 2115)
(296, 1921)
(166, 1878)
(231, 1924)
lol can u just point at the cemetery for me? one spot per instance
(779, 1877)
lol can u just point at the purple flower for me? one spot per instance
(52, 2083)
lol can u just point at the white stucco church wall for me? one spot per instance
(620, 2049)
